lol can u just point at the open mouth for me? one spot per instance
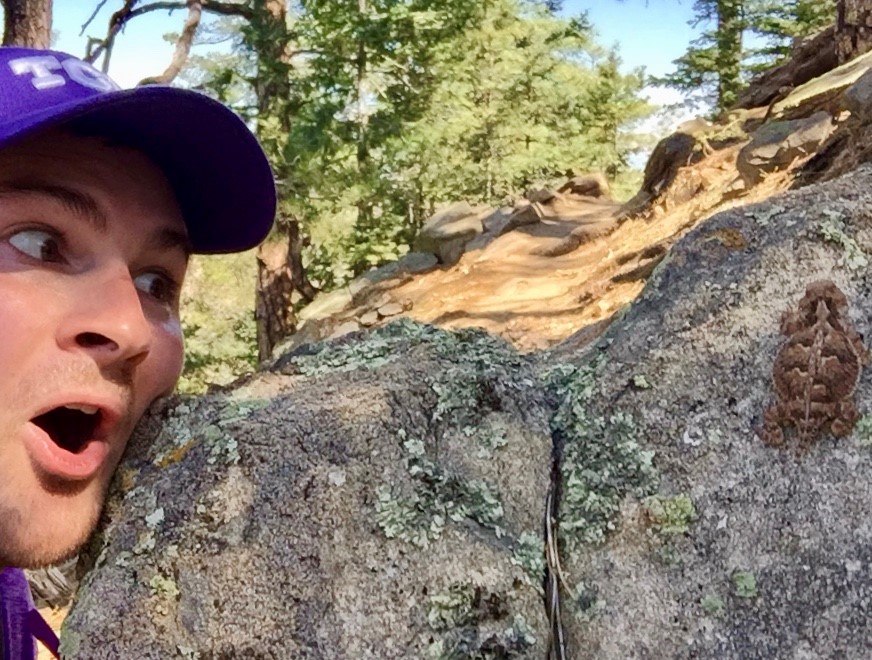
(70, 427)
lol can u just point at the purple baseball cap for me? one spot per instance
(220, 175)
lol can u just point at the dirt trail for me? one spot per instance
(536, 301)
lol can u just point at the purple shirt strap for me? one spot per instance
(20, 622)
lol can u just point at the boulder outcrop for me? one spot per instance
(416, 493)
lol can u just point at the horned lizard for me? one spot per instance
(816, 371)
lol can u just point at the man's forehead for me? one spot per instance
(84, 175)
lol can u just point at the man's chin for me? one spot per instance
(45, 539)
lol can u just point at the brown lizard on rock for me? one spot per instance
(816, 370)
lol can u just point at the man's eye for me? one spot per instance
(158, 286)
(38, 244)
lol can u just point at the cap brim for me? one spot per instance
(221, 177)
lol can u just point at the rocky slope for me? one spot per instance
(563, 260)
(409, 492)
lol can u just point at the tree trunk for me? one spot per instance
(274, 305)
(853, 29)
(729, 57)
(278, 278)
(27, 23)
(810, 58)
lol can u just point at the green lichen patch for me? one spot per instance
(164, 587)
(640, 382)
(833, 230)
(176, 435)
(145, 542)
(863, 431)
(529, 554)
(461, 605)
(713, 605)
(491, 437)
(603, 461)
(165, 591)
(420, 517)
(587, 601)
(155, 518)
(669, 516)
(223, 447)
(377, 348)
(765, 214)
(515, 641)
(480, 367)
(745, 584)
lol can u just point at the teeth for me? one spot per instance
(88, 410)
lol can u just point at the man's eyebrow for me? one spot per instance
(75, 201)
(173, 239)
(86, 207)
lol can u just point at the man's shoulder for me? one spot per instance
(15, 604)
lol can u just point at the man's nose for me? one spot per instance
(106, 319)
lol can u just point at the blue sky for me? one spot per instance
(648, 33)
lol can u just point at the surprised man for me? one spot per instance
(104, 194)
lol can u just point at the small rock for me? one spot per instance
(382, 273)
(326, 304)
(494, 223)
(447, 232)
(368, 319)
(383, 299)
(540, 195)
(528, 215)
(418, 262)
(391, 309)
(858, 97)
(589, 185)
(776, 145)
(344, 329)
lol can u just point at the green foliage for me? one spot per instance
(779, 23)
(218, 321)
(381, 110)
(719, 64)
(519, 108)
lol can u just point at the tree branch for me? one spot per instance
(119, 19)
(91, 18)
(213, 6)
(183, 46)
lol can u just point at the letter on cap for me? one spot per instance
(41, 68)
(84, 74)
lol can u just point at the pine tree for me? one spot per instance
(521, 107)
(779, 23)
(711, 68)
(718, 65)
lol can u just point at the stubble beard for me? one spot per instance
(30, 535)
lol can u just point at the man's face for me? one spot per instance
(92, 252)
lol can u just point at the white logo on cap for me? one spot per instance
(43, 68)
